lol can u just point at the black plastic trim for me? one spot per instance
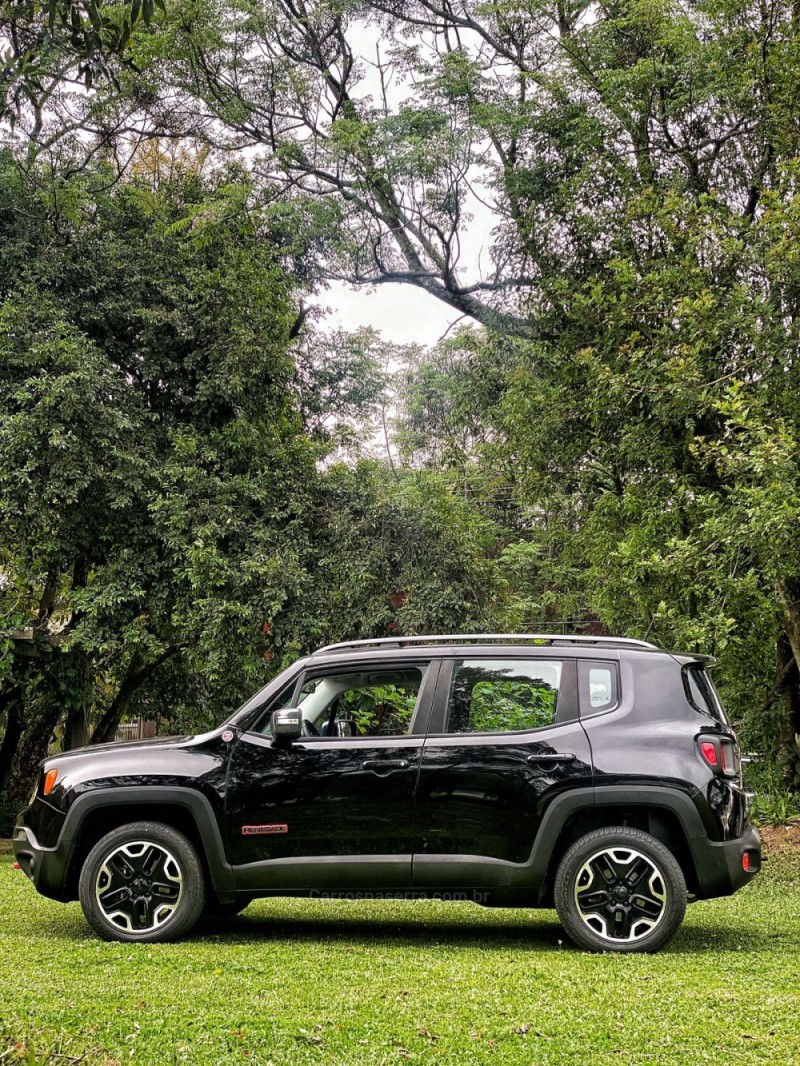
(50, 866)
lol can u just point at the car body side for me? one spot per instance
(507, 805)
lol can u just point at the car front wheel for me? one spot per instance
(142, 882)
(620, 889)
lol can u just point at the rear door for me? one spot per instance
(505, 740)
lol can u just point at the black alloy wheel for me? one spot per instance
(142, 882)
(619, 889)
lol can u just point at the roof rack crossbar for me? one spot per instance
(468, 638)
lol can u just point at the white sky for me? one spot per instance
(402, 314)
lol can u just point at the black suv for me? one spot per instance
(596, 775)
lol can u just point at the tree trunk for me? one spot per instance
(11, 706)
(32, 749)
(790, 596)
(76, 729)
(108, 725)
(135, 677)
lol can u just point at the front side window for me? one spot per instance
(503, 696)
(370, 703)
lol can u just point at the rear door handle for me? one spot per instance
(565, 757)
(385, 764)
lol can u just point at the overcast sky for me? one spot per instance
(403, 314)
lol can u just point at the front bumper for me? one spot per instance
(720, 866)
(46, 867)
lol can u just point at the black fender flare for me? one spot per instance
(146, 798)
(707, 855)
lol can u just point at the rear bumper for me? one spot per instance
(721, 865)
(46, 867)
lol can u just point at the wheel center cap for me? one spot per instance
(620, 892)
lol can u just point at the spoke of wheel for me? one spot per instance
(621, 923)
(650, 908)
(142, 913)
(605, 869)
(640, 867)
(591, 901)
(166, 890)
(112, 898)
(119, 863)
(153, 859)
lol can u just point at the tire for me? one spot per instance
(619, 889)
(142, 883)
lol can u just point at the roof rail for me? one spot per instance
(469, 638)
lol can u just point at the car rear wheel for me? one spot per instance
(619, 889)
(142, 882)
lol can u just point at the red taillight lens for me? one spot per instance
(708, 749)
(720, 754)
(746, 862)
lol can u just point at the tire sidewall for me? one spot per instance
(597, 840)
(192, 900)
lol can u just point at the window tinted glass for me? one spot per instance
(373, 703)
(703, 694)
(599, 686)
(284, 699)
(498, 696)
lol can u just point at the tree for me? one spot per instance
(74, 41)
(153, 467)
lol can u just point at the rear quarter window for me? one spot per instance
(701, 693)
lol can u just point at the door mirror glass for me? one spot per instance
(287, 724)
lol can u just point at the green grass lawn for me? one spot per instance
(295, 981)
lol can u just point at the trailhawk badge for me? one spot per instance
(263, 830)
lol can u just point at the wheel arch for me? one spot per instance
(667, 815)
(99, 812)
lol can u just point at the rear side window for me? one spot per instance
(702, 694)
(499, 696)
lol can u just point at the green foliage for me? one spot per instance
(43, 42)
(422, 985)
(382, 709)
(153, 466)
(504, 706)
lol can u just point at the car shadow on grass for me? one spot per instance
(541, 933)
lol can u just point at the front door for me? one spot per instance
(505, 740)
(334, 809)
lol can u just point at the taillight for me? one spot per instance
(708, 749)
(719, 753)
(728, 758)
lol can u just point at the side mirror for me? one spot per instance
(287, 724)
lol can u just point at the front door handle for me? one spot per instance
(556, 757)
(385, 764)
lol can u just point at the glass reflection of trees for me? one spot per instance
(496, 700)
(380, 710)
